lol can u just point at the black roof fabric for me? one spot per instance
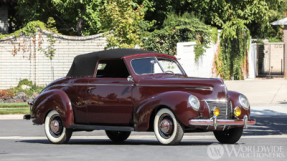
(84, 65)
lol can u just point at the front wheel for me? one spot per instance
(166, 128)
(54, 129)
(230, 136)
(118, 136)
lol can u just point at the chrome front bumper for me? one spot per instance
(221, 122)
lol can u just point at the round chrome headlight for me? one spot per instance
(194, 102)
(244, 102)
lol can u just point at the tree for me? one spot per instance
(74, 17)
(120, 20)
(225, 14)
(180, 28)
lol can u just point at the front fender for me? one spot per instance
(176, 101)
(52, 100)
(234, 98)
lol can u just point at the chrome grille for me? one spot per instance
(229, 110)
(224, 109)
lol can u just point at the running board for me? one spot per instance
(96, 127)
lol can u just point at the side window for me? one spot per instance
(115, 68)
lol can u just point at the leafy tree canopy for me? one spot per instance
(74, 17)
(121, 20)
(225, 14)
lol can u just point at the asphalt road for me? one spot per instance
(20, 140)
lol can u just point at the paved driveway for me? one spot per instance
(270, 92)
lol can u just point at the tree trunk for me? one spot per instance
(80, 23)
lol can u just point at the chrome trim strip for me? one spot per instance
(158, 64)
(130, 85)
(225, 122)
(210, 114)
(183, 86)
(83, 84)
(201, 88)
(217, 100)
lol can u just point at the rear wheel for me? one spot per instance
(54, 129)
(230, 136)
(166, 128)
(118, 136)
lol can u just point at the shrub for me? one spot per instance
(25, 82)
(4, 94)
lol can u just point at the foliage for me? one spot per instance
(50, 50)
(233, 53)
(12, 91)
(277, 10)
(4, 94)
(273, 39)
(257, 41)
(30, 29)
(224, 13)
(29, 92)
(73, 17)
(25, 82)
(121, 20)
(179, 28)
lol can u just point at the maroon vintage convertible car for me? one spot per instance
(126, 90)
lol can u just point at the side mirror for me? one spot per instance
(130, 78)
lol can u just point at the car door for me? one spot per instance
(110, 94)
(76, 89)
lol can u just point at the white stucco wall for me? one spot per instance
(38, 68)
(200, 68)
(252, 57)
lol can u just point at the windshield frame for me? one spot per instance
(156, 58)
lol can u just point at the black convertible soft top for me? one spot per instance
(84, 65)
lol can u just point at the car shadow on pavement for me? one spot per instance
(107, 142)
(268, 125)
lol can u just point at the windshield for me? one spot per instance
(155, 65)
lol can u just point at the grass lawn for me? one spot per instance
(13, 105)
(8, 111)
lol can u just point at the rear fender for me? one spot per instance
(52, 100)
(176, 101)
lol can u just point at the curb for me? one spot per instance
(11, 117)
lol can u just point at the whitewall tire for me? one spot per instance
(166, 128)
(54, 129)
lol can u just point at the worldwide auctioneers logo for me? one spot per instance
(216, 151)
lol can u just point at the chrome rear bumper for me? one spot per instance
(222, 122)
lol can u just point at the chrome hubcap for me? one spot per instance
(166, 126)
(54, 126)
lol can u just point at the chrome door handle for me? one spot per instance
(89, 89)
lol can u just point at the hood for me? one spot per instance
(206, 88)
